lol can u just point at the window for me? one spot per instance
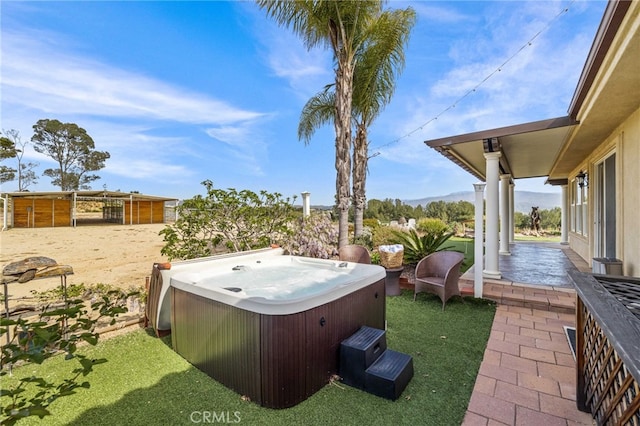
(572, 212)
(579, 209)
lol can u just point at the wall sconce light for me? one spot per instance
(583, 179)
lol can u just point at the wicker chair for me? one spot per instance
(354, 253)
(439, 273)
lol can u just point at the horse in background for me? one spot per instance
(535, 221)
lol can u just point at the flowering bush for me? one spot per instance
(239, 220)
(313, 236)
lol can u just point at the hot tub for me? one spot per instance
(267, 325)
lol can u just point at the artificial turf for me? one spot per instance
(145, 382)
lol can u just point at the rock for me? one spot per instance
(27, 276)
(54, 271)
(22, 266)
(33, 268)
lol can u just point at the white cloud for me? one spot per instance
(138, 155)
(306, 71)
(40, 78)
(146, 170)
(244, 148)
(434, 12)
(479, 91)
(38, 74)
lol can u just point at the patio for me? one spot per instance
(528, 375)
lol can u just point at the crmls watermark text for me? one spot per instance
(215, 417)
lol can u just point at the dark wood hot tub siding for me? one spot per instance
(276, 360)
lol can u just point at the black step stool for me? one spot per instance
(358, 352)
(367, 364)
(389, 375)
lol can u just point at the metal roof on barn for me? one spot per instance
(94, 194)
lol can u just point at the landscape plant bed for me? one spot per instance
(463, 245)
(146, 382)
(405, 284)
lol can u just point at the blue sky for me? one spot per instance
(180, 92)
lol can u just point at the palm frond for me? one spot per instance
(318, 111)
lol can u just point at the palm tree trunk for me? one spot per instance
(359, 177)
(342, 124)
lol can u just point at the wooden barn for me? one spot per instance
(55, 209)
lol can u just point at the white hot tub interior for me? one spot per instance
(282, 278)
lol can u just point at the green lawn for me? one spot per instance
(145, 383)
(463, 245)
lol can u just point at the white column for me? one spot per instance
(491, 269)
(478, 235)
(504, 214)
(564, 216)
(306, 207)
(512, 194)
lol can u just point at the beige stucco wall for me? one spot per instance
(629, 234)
(625, 142)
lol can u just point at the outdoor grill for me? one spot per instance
(607, 347)
(625, 289)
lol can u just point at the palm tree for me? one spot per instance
(378, 62)
(374, 84)
(340, 25)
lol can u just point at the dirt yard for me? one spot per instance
(119, 255)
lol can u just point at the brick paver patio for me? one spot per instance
(527, 376)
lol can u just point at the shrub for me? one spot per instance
(371, 223)
(431, 225)
(458, 228)
(56, 330)
(384, 235)
(56, 293)
(365, 239)
(313, 236)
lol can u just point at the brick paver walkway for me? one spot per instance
(528, 375)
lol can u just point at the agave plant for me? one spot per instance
(418, 246)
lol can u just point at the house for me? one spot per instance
(592, 153)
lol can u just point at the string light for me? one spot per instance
(474, 89)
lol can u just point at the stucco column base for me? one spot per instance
(495, 275)
(504, 253)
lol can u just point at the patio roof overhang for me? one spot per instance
(608, 91)
(528, 150)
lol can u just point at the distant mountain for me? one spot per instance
(523, 202)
